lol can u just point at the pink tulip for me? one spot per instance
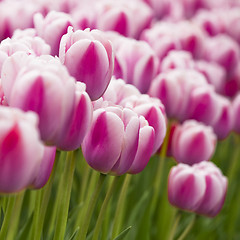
(80, 120)
(21, 149)
(224, 123)
(174, 89)
(52, 28)
(45, 168)
(236, 113)
(118, 141)
(153, 111)
(16, 15)
(222, 50)
(193, 142)
(45, 87)
(136, 63)
(200, 188)
(120, 16)
(88, 57)
(31, 45)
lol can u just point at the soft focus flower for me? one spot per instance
(224, 123)
(52, 28)
(174, 88)
(193, 142)
(136, 63)
(21, 149)
(120, 16)
(223, 50)
(200, 188)
(88, 57)
(236, 113)
(118, 141)
(45, 168)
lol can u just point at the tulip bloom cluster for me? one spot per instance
(106, 78)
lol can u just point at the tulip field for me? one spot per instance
(119, 120)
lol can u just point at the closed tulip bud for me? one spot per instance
(193, 142)
(136, 63)
(200, 188)
(118, 141)
(52, 28)
(236, 113)
(224, 123)
(88, 57)
(45, 168)
(21, 149)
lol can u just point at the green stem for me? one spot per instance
(82, 233)
(16, 211)
(7, 217)
(103, 208)
(66, 184)
(158, 176)
(175, 225)
(188, 229)
(119, 210)
(44, 194)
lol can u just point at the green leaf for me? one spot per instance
(74, 234)
(123, 233)
(24, 231)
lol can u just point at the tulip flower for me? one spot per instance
(119, 16)
(45, 168)
(200, 188)
(174, 88)
(21, 149)
(45, 87)
(118, 141)
(236, 113)
(88, 57)
(223, 50)
(193, 142)
(52, 28)
(224, 123)
(136, 63)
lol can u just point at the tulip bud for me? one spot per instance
(136, 63)
(52, 28)
(236, 113)
(21, 149)
(88, 57)
(118, 141)
(200, 188)
(193, 142)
